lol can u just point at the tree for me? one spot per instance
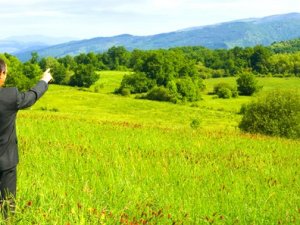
(160, 94)
(84, 76)
(32, 71)
(136, 83)
(117, 58)
(15, 76)
(163, 65)
(276, 113)
(34, 58)
(259, 59)
(187, 90)
(58, 70)
(68, 62)
(158, 66)
(225, 90)
(247, 84)
(169, 70)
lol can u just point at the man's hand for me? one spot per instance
(47, 76)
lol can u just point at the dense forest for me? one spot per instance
(175, 73)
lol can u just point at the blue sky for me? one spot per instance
(92, 18)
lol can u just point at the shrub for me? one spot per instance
(136, 83)
(224, 93)
(247, 84)
(187, 90)
(218, 73)
(195, 123)
(84, 76)
(225, 90)
(276, 114)
(125, 91)
(160, 94)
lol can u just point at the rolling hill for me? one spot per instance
(243, 33)
(28, 43)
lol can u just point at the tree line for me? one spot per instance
(173, 74)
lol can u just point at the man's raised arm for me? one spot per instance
(28, 98)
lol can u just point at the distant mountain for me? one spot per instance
(29, 43)
(12, 47)
(246, 32)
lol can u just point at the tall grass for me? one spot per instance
(96, 158)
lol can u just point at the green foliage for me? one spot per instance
(277, 114)
(160, 94)
(146, 164)
(284, 65)
(187, 90)
(68, 62)
(16, 76)
(175, 75)
(96, 60)
(136, 83)
(216, 73)
(164, 65)
(32, 71)
(195, 123)
(58, 70)
(225, 90)
(224, 93)
(259, 59)
(247, 84)
(84, 76)
(116, 58)
(34, 58)
(290, 46)
(125, 91)
(171, 85)
(157, 67)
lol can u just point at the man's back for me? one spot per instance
(11, 100)
(8, 139)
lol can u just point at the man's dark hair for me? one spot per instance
(2, 66)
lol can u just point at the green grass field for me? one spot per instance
(100, 158)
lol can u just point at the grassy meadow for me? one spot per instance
(97, 158)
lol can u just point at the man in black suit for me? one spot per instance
(11, 100)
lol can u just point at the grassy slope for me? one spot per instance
(103, 158)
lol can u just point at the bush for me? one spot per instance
(224, 93)
(195, 123)
(187, 90)
(247, 84)
(136, 83)
(276, 114)
(84, 76)
(225, 90)
(58, 70)
(125, 91)
(218, 73)
(160, 94)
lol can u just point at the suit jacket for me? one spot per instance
(11, 100)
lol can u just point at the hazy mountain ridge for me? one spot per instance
(243, 33)
(28, 43)
(12, 46)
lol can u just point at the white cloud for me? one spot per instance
(87, 18)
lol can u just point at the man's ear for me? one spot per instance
(2, 75)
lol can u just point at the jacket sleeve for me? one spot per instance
(28, 98)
